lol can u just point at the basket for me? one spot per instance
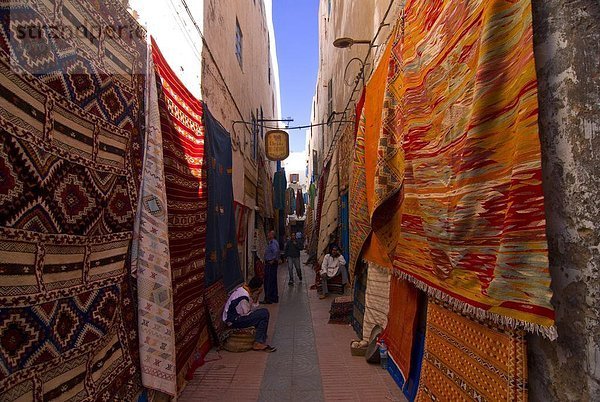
(358, 351)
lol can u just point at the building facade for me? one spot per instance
(225, 53)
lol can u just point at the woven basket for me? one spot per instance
(357, 351)
(239, 340)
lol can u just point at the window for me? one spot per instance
(329, 102)
(239, 44)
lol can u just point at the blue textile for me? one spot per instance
(345, 221)
(222, 259)
(279, 187)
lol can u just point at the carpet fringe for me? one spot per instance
(478, 313)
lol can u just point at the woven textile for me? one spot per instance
(69, 174)
(216, 297)
(279, 187)
(185, 173)
(151, 258)
(466, 360)
(360, 288)
(402, 318)
(290, 201)
(341, 310)
(377, 298)
(363, 168)
(222, 254)
(328, 225)
(300, 204)
(460, 154)
(345, 148)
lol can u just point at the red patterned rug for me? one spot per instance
(69, 174)
(185, 173)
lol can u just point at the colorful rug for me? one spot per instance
(401, 325)
(328, 226)
(185, 173)
(222, 262)
(151, 259)
(458, 192)
(345, 146)
(363, 168)
(377, 298)
(341, 310)
(70, 142)
(279, 187)
(467, 360)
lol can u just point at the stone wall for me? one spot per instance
(567, 48)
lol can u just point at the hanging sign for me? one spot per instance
(277, 145)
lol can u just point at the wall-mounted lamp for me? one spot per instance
(343, 43)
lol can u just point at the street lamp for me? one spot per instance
(343, 43)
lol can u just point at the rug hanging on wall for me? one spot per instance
(377, 298)
(328, 226)
(401, 325)
(469, 360)
(71, 120)
(222, 258)
(150, 258)
(458, 190)
(362, 177)
(360, 288)
(186, 187)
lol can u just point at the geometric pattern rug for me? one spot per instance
(186, 187)
(70, 132)
(470, 360)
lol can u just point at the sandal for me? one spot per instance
(267, 349)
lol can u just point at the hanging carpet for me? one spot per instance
(458, 190)
(151, 258)
(468, 360)
(222, 254)
(377, 298)
(328, 225)
(185, 173)
(71, 119)
(362, 180)
(402, 318)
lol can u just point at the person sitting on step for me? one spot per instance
(241, 311)
(332, 265)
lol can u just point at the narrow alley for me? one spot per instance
(312, 362)
(299, 200)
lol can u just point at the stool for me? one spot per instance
(334, 285)
(239, 339)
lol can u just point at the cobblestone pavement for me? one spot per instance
(312, 361)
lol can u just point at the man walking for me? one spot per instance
(271, 264)
(292, 252)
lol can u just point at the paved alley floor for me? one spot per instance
(312, 361)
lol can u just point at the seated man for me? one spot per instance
(332, 264)
(240, 312)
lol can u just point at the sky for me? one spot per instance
(297, 38)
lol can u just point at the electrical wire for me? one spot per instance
(205, 43)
